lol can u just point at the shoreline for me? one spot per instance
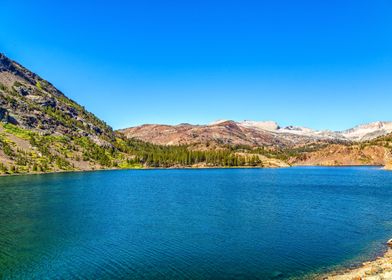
(379, 268)
(143, 168)
(186, 167)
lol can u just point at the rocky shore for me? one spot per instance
(379, 269)
(388, 166)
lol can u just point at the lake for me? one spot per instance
(192, 223)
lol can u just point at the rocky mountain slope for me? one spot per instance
(43, 130)
(30, 102)
(342, 155)
(377, 151)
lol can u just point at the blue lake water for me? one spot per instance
(192, 224)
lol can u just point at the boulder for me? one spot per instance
(389, 242)
(30, 121)
(6, 118)
(3, 115)
(24, 91)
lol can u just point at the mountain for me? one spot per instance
(33, 103)
(253, 133)
(220, 134)
(43, 130)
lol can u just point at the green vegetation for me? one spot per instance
(47, 153)
(151, 155)
(42, 155)
(17, 131)
(38, 85)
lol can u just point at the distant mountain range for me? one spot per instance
(254, 133)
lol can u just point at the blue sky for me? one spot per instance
(321, 64)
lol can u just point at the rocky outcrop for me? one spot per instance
(6, 118)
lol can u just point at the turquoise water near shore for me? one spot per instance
(193, 223)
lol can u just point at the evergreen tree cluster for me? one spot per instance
(167, 156)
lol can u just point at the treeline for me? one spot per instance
(166, 156)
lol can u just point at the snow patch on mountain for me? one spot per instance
(362, 132)
(368, 131)
(264, 125)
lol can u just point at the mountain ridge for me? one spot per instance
(156, 133)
